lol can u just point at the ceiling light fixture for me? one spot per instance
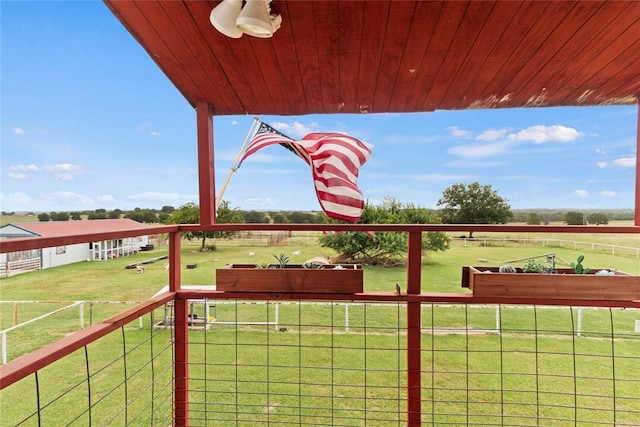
(255, 19)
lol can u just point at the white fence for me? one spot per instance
(21, 266)
(545, 242)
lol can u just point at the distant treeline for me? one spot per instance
(546, 216)
(161, 216)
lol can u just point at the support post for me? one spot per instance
(181, 331)
(414, 316)
(637, 205)
(206, 176)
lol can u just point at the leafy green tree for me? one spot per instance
(473, 204)
(190, 214)
(98, 214)
(598, 219)
(533, 219)
(386, 248)
(115, 214)
(255, 217)
(574, 218)
(143, 215)
(279, 218)
(59, 216)
(44, 217)
(76, 216)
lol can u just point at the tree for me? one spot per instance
(473, 204)
(574, 218)
(255, 217)
(44, 217)
(190, 214)
(386, 248)
(533, 219)
(598, 219)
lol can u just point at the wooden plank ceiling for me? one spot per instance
(335, 56)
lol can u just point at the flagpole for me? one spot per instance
(235, 163)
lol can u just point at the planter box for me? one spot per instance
(564, 285)
(292, 278)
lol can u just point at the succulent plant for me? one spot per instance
(577, 266)
(283, 260)
(533, 267)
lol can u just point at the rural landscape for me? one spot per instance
(354, 350)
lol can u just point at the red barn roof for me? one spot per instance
(68, 228)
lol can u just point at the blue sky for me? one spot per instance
(88, 121)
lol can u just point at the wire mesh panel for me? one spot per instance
(318, 364)
(123, 378)
(533, 369)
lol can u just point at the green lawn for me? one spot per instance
(327, 363)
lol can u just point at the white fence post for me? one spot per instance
(579, 321)
(346, 318)
(4, 347)
(82, 315)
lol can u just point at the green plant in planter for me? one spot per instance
(577, 266)
(313, 265)
(262, 264)
(533, 267)
(283, 260)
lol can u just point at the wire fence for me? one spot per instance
(124, 378)
(313, 367)
(345, 364)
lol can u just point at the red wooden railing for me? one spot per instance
(414, 298)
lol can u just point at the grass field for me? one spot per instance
(332, 364)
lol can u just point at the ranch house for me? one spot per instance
(62, 254)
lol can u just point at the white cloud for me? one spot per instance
(459, 133)
(608, 193)
(581, 193)
(24, 168)
(63, 167)
(479, 150)
(601, 151)
(14, 175)
(154, 133)
(234, 122)
(63, 176)
(295, 129)
(143, 126)
(540, 134)
(173, 199)
(602, 165)
(16, 200)
(625, 162)
(106, 199)
(491, 134)
(69, 198)
(17, 131)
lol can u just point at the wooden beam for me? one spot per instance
(637, 211)
(206, 180)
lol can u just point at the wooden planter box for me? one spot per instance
(292, 278)
(564, 285)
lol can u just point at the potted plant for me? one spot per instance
(537, 280)
(284, 277)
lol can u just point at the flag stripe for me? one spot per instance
(335, 160)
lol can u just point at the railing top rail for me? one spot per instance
(32, 362)
(14, 245)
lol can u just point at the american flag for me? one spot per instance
(335, 160)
